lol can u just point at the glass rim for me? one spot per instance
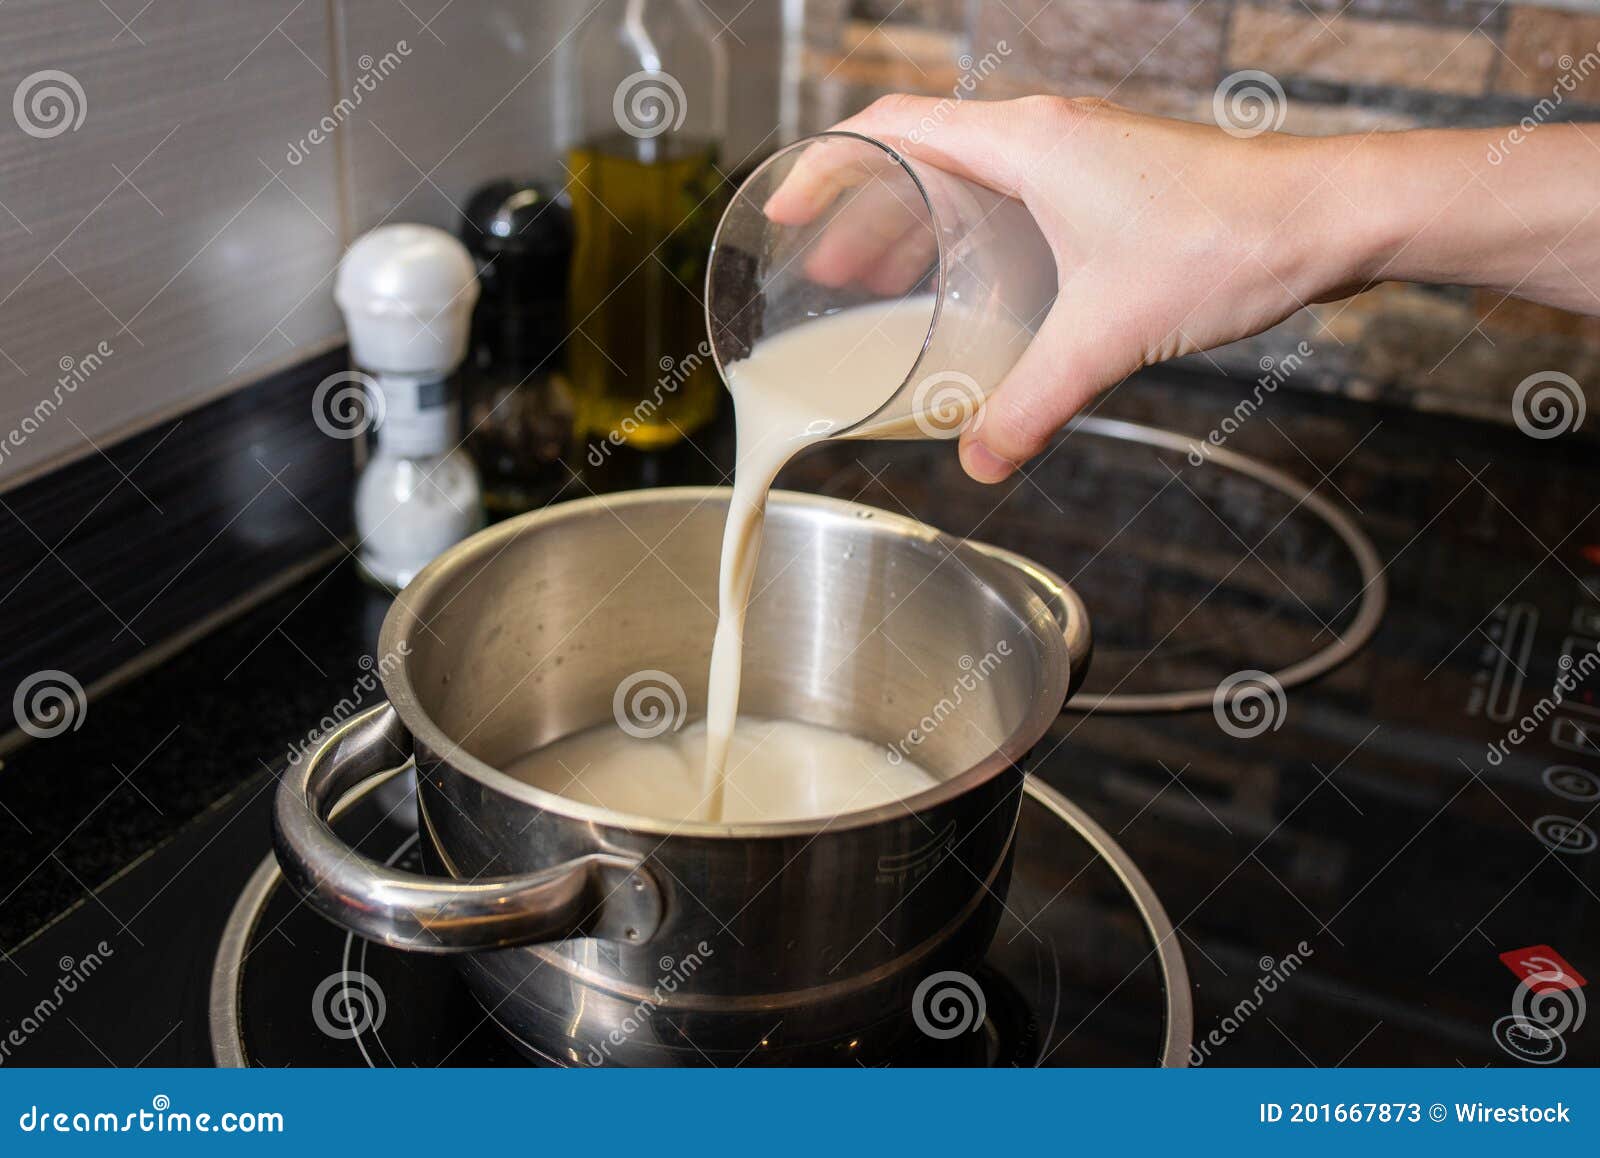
(899, 159)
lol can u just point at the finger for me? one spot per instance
(821, 171)
(1067, 363)
(970, 138)
(872, 234)
(964, 137)
(905, 264)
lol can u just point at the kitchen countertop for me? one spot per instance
(171, 742)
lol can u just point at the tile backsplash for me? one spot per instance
(474, 91)
(154, 247)
(178, 180)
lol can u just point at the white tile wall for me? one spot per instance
(475, 95)
(158, 219)
(185, 216)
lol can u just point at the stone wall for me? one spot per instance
(1343, 66)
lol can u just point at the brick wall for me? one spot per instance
(1344, 66)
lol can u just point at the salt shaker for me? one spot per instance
(407, 292)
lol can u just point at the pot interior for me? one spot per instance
(861, 621)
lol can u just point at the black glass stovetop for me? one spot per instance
(1365, 880)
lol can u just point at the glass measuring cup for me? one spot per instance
(960, 277)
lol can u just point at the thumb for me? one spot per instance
(1065, 365)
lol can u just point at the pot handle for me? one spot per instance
(1070, 614)
(597, 895)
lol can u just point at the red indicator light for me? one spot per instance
(1541, 968)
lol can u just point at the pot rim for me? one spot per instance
(402, 620)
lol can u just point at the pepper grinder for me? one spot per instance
(407, 292)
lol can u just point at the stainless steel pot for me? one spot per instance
(602, 937)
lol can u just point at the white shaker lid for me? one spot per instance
(407, 292)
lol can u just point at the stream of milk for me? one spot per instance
(796, 388)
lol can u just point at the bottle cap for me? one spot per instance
(516, 218)
(407, 292)
(520, 232)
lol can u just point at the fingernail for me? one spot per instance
(984, 464)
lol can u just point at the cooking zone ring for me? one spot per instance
(227, 973)
(1374, 584)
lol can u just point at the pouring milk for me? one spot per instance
(813, 381)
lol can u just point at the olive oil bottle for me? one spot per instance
(646, 195)
(643, 221)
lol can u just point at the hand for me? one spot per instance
(1170, 237)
